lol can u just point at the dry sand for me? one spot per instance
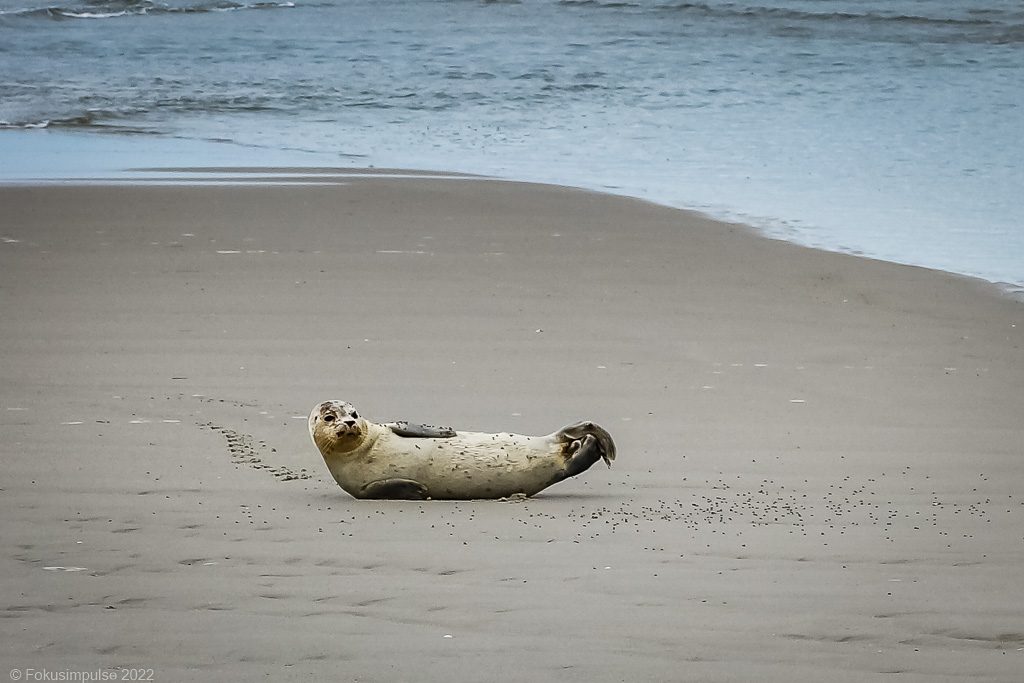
(821, 457)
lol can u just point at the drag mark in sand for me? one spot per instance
(242, 452)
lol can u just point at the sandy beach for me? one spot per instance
(819, 471)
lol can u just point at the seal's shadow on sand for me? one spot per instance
(334, 495)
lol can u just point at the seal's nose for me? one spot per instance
(350, 423)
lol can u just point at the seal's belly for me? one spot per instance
(469, 465)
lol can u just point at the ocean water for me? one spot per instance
(892, 129)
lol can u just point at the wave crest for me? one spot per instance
(968, 24)
(110, 9)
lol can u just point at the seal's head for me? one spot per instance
(336, 427)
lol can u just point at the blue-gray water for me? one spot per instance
(893, 129)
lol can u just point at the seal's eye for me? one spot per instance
(355, 414)
(329, 418)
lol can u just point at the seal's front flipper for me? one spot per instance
(395, 489)
(417, 431)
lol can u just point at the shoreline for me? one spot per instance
(134, 154)
(818, 471)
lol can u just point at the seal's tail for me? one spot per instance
(595, 444)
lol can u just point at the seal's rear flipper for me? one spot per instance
(602, 441)
(589, 452)
(395, 489)
(417, 431)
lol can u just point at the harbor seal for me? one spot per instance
(402, 460)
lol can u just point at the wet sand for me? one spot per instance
(819, 472)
